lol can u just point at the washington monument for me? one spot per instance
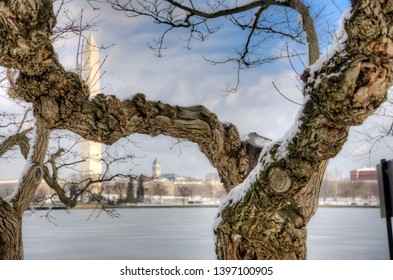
(91, 151)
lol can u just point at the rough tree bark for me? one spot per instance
(19, 139)
(13, 207)
(268, 207)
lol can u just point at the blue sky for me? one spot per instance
(184, 78)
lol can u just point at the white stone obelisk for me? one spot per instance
(91, 151)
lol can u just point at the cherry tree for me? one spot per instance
(272, 186)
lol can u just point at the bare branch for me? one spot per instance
(74, 25)
(176, 14)
(63, 158)
(228, 11)
(19, 139)
(308, 26)
(246, 48)
(283, 95)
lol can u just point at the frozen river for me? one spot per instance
(177, 233)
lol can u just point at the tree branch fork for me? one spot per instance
(60, 101)
(346, 89)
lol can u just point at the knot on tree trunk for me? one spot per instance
(38, 173)
(279, 180)
(370, 78)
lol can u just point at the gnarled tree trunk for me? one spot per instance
(273, 190)
(266, 217)
(11, 211)
(11, 246)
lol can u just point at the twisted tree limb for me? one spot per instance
(20, 139)
(32, 175)
(273, 205)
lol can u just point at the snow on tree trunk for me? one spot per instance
(266, 217)
(267, 208)
(11, 211)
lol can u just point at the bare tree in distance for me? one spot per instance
(184, 192)
(273, 187)
(64, 160)
(374, 137)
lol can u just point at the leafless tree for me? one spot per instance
(374, 137)
(64, 158)
(184, 192)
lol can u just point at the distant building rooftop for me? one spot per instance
(169, 176)
(364, 174)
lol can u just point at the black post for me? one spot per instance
(388, 204)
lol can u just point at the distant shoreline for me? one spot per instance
(152, 206)
(348, 206)
(86, 206)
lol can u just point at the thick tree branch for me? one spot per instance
(308, 25)
(341, 91)
(225, 12)
(31, 178)
(107, 119)
(25, 31)
(20, 139)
